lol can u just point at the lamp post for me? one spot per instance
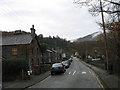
(105, 37)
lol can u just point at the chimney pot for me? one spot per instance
(32, 31)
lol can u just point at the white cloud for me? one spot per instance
(50, 17)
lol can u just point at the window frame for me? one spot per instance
(14, 51)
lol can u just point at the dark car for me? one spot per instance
(70, 59)
(57, 68)
(66, 63)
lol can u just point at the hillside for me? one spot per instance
(90, 37)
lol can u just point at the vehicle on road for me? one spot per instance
(57, 68)
(66, 63)
(96, 59)
(70, 59)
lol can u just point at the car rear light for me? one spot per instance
(51, 68)
(61, 67)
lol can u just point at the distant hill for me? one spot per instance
(88, 37)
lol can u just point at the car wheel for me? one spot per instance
(64, 71)
(51, 73)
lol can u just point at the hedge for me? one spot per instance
(13, 67)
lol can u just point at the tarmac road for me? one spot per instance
(77, 76)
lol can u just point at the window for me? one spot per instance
(14, 51)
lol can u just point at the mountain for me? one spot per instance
(88, 37)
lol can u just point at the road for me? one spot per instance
(77, 76)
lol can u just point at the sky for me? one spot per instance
(50, 17)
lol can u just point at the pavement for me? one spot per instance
(110, 81)
(25, 83)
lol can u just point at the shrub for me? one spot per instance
(13, 67)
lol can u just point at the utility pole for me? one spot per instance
(118, 31)
(105, 37)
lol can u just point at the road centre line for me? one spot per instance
(74, 72)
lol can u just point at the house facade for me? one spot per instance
(53, 56)
(19, 45)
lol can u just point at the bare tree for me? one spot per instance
(110, 7)
(112, 10)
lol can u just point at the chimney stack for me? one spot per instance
(32, 31)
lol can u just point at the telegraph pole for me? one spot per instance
(105, 37)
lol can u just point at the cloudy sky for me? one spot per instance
(50, 17)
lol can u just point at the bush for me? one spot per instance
(13, 67)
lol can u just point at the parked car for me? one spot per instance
(66, 63)
(70, 59)
(57, 68)
(96, 59)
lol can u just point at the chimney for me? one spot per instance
(32, 31)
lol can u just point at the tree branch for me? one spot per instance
(111, 12)
(113, 2)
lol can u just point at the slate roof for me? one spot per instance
(16, 39)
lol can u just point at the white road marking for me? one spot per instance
(83, 72)
(70, 72)
(74, 72)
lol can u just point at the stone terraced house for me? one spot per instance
(20, 45)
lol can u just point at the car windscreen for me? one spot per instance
(57, 65)
(65, 62)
